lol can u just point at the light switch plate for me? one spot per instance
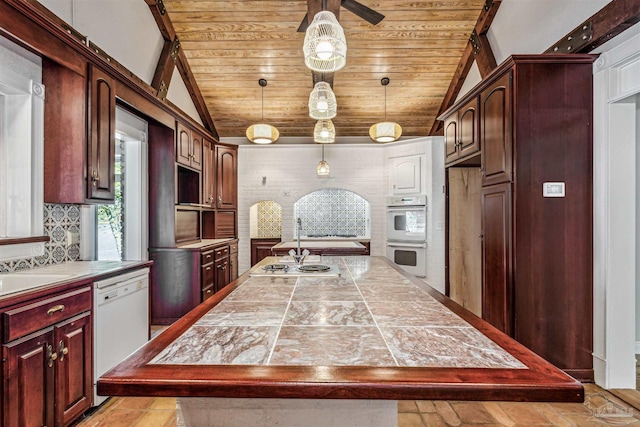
(553, 189)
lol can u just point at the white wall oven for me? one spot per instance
(407, 233)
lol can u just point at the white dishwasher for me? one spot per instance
(120, 322)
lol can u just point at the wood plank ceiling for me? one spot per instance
(231, 44)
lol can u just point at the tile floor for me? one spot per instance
(160, 412)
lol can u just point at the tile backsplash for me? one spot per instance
(58, 220)
(333, 212)
(269, 219)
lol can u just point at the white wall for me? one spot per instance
(290, 172)
(127, 31)
(637, 349)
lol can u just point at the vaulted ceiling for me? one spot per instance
(229, 45)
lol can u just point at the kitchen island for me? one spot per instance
(317, 348)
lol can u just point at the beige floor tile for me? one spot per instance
(498, 413)
(472, 412)
(426, 406)
(406, 419)
(447, 413)
(407, 406)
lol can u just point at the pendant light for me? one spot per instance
(322, 102)
(325, 46)
(323, 166)
(385, 131)
(262, 133)
(324, 132)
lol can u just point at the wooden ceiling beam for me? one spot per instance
(172, 55)
(481, 53)
(601, 27)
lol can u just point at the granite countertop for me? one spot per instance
(374, 332)
(27, 280)
(320, 244)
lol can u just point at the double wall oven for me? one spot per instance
(407, 233)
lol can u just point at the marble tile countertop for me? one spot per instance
(369, 316)
(27, 280)
(322, 244)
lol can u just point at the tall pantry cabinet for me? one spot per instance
(535, 136)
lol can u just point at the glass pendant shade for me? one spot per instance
(385, 132)
(262, 133)
(323, 168)
(325, 46)
(322, 102)
(324, 132)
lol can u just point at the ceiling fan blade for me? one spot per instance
(304, 24)
(363, 11)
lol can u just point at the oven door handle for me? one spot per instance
(406, 245)
(405, 208)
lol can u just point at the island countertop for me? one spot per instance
(374, 332)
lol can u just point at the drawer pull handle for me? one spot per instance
(62, 350)
(55, 309)
(51, 355)
(208, 268)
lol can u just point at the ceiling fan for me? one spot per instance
(353, 6)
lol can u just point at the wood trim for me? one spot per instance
(19, 240)
(162, 19)
(484, 56)
(541, 381)
(164, 69)
(605, 24)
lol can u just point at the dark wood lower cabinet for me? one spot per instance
(48, 375)
(261, 248)
(497, 292)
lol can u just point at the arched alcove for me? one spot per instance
(265, 228)
(333, 212)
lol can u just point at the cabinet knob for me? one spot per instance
(94, 177)
(62, 350)
(219, 199)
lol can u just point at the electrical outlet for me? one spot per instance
(73, 238)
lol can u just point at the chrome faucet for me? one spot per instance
(299, 221)
(298, 256)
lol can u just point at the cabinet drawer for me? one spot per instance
(29, 318)
(233, 248)
(207, 257)
(207, 275)
(222, 252)
(206, 293)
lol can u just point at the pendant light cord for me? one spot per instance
(385, 103)
(262, 108)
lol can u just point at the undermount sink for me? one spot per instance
(15, 282)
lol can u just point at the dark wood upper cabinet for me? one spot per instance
(461, 136)
(208, 173)
(496, 124)
(497, 270)
(227, 177)
(188, 147)
(101, 143)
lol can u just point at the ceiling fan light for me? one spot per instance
(262, 133)
(325, 46)
(385, 132)
(324, 132)
(322, 102)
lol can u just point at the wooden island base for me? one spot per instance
(225, 412)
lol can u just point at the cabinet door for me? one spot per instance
(469, 142)
(227, 177)
(496, 125)
(451, 138)
(28, 387)
(183, 144)
(196, 150)
(233, 267)
(497, 271)
(222, 274)
(101, 145)
(74, 388)
(406, 174)
(208, 173)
